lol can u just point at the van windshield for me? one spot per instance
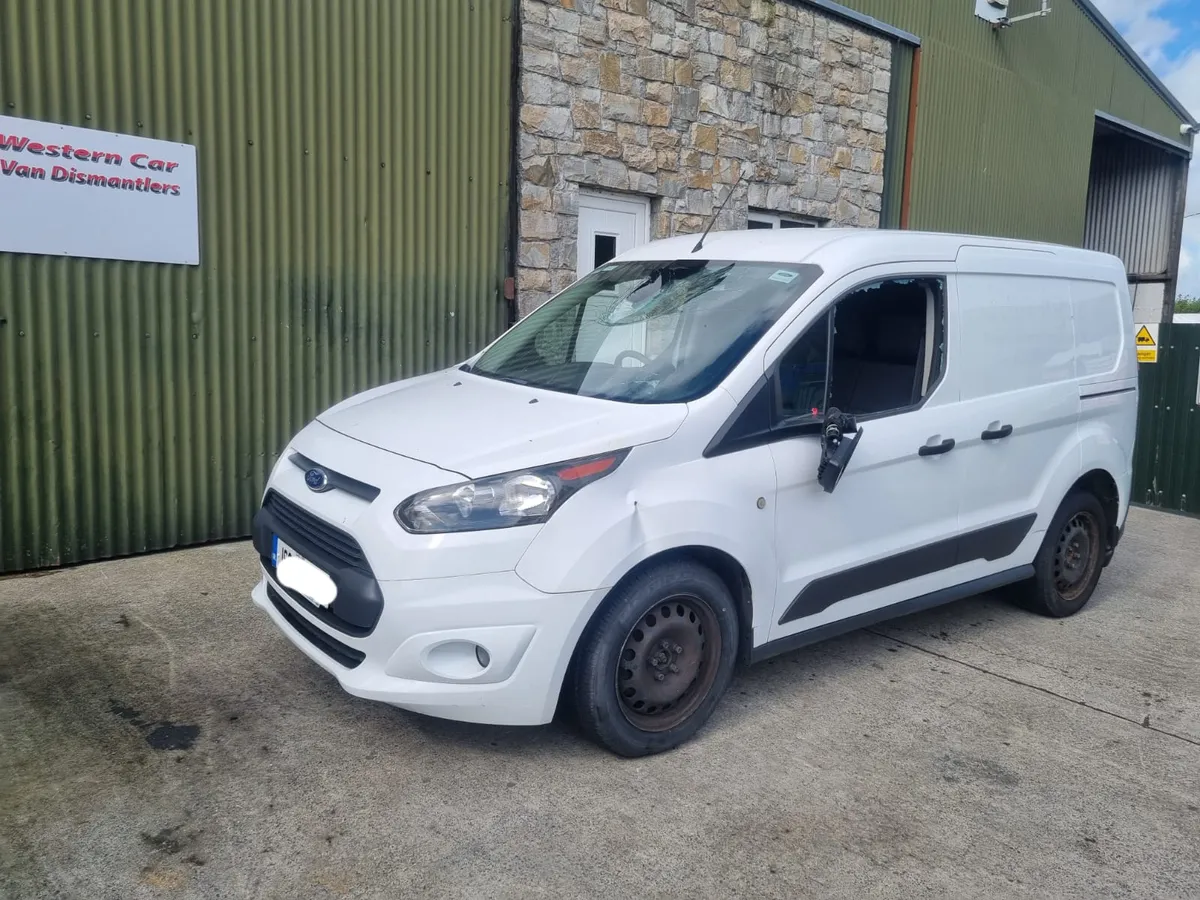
(651, 331)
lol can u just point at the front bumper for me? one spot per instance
(421, 654)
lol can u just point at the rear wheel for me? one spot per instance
(656, 660)
(1071, 558)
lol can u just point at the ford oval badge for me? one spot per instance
(317, 480)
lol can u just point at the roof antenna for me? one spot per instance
(713, 220)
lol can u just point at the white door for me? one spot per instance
(889, 530)
(609, 226)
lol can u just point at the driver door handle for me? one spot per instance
(994, 435)
(937, 449)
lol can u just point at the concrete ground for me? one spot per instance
(159, 738)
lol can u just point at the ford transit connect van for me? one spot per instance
(700, 456)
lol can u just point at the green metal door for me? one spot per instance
(1167, 459)
(353, 183)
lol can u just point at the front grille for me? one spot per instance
(332, 541)
(334, 649)
(327, 614)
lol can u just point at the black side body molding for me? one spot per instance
(991, 543)
(1128, 390)
(895, 611)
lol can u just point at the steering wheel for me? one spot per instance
(632, 354)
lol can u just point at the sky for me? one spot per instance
(1167, 35)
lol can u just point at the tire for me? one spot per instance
(1068, 565)
(646, 682)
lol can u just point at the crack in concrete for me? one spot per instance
(1026, 684)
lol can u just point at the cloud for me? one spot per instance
(1142, 23)
(1183, 78)
(1189, 253)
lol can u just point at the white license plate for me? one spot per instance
(294, 571)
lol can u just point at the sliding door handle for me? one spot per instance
(995, 434)
(937, 449)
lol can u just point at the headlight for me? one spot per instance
(502, 501)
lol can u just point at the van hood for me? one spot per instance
(479, 426)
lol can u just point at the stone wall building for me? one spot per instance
(674, 101)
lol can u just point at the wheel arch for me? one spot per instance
(720, 562)
(1103, 486)
(723, 564)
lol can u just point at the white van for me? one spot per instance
(693, 458)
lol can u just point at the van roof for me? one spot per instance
(857, 246)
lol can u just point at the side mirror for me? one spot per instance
(836, 448)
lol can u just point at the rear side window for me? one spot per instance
(1098, 330)
(1016, 333)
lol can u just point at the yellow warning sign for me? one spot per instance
(1146, 339)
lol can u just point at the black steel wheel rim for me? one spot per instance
(1076, 555)
(668, 662)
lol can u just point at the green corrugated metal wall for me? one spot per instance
(1003, 146)
(354, 165)
(899, 96)
(1167, 459)
(1005, 119)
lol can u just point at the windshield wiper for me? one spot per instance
(512, 379)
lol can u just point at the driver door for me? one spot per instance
(888, 531)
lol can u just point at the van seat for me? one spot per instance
(882, 377)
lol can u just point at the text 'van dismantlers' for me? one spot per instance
(70, 175)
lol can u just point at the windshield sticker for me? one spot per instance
(784, 276)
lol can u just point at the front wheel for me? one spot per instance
(1071, 558)
(656, 659)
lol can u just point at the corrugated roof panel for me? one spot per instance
(1132, 202)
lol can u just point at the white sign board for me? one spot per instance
(67, 191)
